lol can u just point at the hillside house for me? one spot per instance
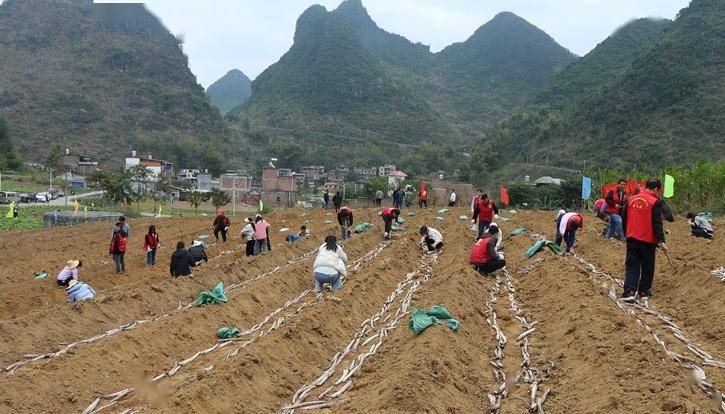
(386, 169)
(81, 165)
(314, 173)
(279, 186)
(236, 185)
(156, 169)
(395, 178)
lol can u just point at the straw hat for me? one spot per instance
(71, 264)
(72, 283)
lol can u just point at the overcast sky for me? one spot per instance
(252, 34)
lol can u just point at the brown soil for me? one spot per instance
(593, 356)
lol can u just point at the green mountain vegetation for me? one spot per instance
(8, 159)
(346, 82)
(652, 94)
(231, 90)
(101, 79)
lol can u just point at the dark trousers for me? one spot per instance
(569, 239)
(431, 245)
(118, 258)
(222, 231)
(490, 266)
(697, 232)
(151, 257)
(422, 203)
(640, 265)
(388, 223)
(250, 247)
(482, 227)
(451, 203)
(378, 202)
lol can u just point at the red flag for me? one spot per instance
(504, 196)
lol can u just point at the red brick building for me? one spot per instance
(279, 187)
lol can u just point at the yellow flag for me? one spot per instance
(11, 206)
(76, 206)
(669, 186)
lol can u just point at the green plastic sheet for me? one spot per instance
(463, 217)
(396, 228)
(327, 222)
(411, 214)
(361, 228)
(438, 218)
(400, 220)
(211, 298)
(421, 319)
(540, 245)
(519, 230)
(40, 275)
(443, 210)
(227, 332)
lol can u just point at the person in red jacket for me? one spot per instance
(345, 220)
(566, 226)
(117, 247)
(484, 257)
(389, 214)
(615, 201)
(645, 232)
(484, 210)
(423, 198)
(221, 225)
(150, 245)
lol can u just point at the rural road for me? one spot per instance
(60, 201)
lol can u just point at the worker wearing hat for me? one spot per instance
(79, 291)
(69, 272)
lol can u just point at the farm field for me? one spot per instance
(149, 351)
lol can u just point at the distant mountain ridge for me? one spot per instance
(346, 75)
(653, 93)
(230, 91)
(100, 79)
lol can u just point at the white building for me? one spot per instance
(395, 178)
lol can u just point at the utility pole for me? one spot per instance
(50, 179)
(66, 188)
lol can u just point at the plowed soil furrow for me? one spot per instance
(263, 376)
(439, 370)
(597, 344)
(154, 346)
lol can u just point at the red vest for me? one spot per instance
(639, 217)
(387, 211)
(118, 247)
(615, 196)
(424, 195)
(479, 254)
(344, 209)
(485, 210)
(598, 205)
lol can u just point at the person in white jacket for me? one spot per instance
(329, 266)
(431, 240)
(247, 235)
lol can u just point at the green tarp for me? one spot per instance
(411, 214)
(438, 218)
(540, 245)
(210, 298)
(327, 222)
(361, 228)
(396, 228)
(519, 230)
(421, 319)
(227, 332)
(443, 210)
(400, 220)
(463, 217)
(40, 275)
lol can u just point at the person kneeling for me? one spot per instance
(484, 256)
(79, 291)
(181, 261)
(432, 239)
(329, 266)
(700, 226)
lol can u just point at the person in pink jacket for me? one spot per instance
(261, 235)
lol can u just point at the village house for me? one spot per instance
(395, 178)
(237, 186)
(156, 169)
(279, 186)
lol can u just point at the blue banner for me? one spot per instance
(586, 188)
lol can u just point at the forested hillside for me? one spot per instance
(364, 87)
(101, 79)
(653, 93)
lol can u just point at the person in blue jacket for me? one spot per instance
(79, 291)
